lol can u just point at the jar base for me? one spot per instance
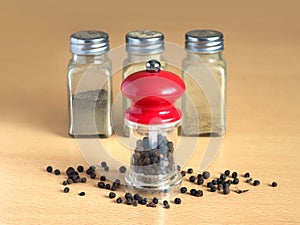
(167, 188)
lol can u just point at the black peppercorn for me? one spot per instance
(193, 191)
(200, 181)
(227, 172)
(226, 191)
(274, 184)
(93, 175)
(183, 173)
(119, 200)
(69, 181)
(103, 178)
(103, 164)
(199, 176)
(83, 180)
(155, 200)
(229, 182)
(167, 206)
(136, 196)
(82, 193)
(112, 195)
(80, 169)
(214, 182)
(49, 169)
(220, 186)
(177, 201)
(135, 203)
(165, 202)
(113, 187)
(209, 184)
(206, 174)
(256, 182)
(247, 175)
(183, 190)
(192, 179)
(117, 182)
(151, 204)
(57, 172)
(70, 171)
(107, 186)
(190, 170)
(65, 183)
(235, 181)
(122, 169)
(234, 174)
(66, 189)
(213, 188)
(199, 193)
(249, 180)
(101, 184)
(106, 169)
(223, 176)
(128, 195)
(144, 201)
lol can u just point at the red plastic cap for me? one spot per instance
(153, 94)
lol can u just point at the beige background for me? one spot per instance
(263, 53)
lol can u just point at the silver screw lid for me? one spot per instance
(144, 42)
(206, 41)
(89, 42)
(153, 65)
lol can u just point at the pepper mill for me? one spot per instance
(153, 122)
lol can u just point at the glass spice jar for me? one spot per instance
(141, 46)
(89, 85)
(204, 59)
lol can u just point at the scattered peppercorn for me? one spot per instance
(103, 178)
(200, 181)
(122, 169)
(214, 182)
(183, 173)
(206, 174)
(274, 184)
(128, 195)
(136, 196)
(101, 184)
(66, 189)
(209, 184)
(83, 180)
(190, 170)
(144, 201)
(192, 179)
(220, 187)
(129, 201)
(70, 171)
(119, 200)
(82, 193)
(256, 182)
(193, 191)
(183, 190)
(106, 169)
(165, 202)
(103, 164)
(151, 204)
(49, 169)
(107, 186)
(223, 176)
(235, 181)
(135, 203)
(229, 182)
(155, 200)
(177, 201)
(249, 180)
(167, 206)
(199, 176)
(69, 181)
(247, 175)
(57, 172)
(199, 193)
(80, 169)
(213, 188)
(227, 172)
(234, 174)
(117, 182)
(65, 183)
(93, 175)
(226, 191)
(112, 195)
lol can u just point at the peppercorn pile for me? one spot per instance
(223, 184)
(155, 161)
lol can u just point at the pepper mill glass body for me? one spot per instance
(141, 46)
(204, 59)
(153, 120)
(89, 85)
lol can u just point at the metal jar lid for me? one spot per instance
(89, 42)
(205, 41)
(144, 42)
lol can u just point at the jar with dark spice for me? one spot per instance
(89, 85)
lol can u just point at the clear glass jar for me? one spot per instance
(203, 60)
(141, 46)
(89, 85)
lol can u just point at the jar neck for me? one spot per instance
(144, 57)
(206, 57)
(84, 59)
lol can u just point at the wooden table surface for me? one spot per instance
(262, 52)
